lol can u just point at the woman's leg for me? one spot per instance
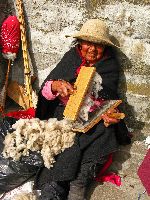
(54, 191)
(78, 186)
(87, 173)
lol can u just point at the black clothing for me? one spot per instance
(66, 70)
(77, 188)
(54, 191)
(98, 141)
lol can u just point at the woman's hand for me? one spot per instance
(112, 117)
(62, 87)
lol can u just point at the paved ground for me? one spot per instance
(127, 162)
(129, 190)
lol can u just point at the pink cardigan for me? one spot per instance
(49, 95)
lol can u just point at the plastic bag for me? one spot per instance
(15, 173)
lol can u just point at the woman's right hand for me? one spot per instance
(62, 87)
(110, 117)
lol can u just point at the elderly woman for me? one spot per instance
(76, 167)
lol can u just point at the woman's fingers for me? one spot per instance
(64, 91)
(112, 120)
(67, 88)
(109, 120)
(112, 110)
(62, 87)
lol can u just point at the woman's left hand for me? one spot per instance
(109, 117)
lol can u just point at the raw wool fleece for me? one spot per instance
(147, 142)
(25, 196)
(49, 137)
(93, 90)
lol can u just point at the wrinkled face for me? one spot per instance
(92, 52)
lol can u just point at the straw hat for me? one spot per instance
(94, 30)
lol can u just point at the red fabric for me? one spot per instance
(10, 35)
(97, 103)
(103, 176)
(112, 178)
(144, 172)
(22, 114)
(106, 165)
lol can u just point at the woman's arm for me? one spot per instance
(52, 89)
(47, 91)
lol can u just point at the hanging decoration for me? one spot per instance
(10, 41)
(23, 94)
(10, 37)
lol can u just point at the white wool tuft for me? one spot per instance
(25, 196)
(88, 101)
(147, 142)
(9, 56)
(34, 98)
(96, 85)
(49, 137)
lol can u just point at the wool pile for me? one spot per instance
(147, 142)
(49, 137)
(25, 196)
(89, 100)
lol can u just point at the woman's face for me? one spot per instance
(92, 52)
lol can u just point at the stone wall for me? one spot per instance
(48, 22)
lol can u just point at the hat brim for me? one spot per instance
(97, 40)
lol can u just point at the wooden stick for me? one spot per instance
(27, 70)
(2, 107)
